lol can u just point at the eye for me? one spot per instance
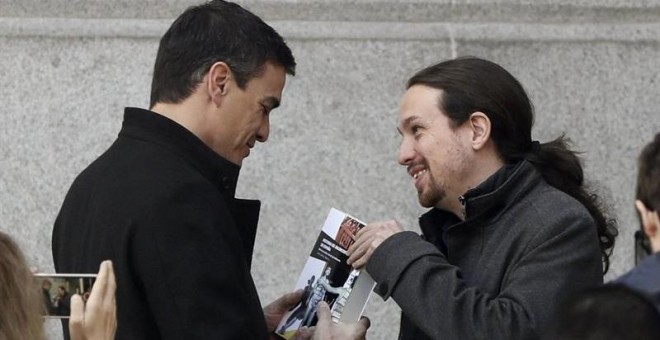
(264, 110)
(415, 129)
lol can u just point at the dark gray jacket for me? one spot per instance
(645, 278)
(497, 275)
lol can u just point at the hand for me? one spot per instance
(368, 239)
(97, 320)
(327, 330)
(276, 309)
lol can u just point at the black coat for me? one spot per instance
(160, 204)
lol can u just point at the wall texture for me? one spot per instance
(68, 67)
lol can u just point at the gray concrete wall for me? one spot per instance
(67, 68)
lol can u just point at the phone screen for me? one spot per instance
(57, 290)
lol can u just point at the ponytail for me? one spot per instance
(561, 168)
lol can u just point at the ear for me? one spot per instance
(217, 81)
(650, 221)
(480, 126)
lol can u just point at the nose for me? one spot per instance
(264, 129)
(406, 152)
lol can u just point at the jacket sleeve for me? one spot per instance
(433, 295)
(188, 257)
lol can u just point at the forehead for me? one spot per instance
(420, 102)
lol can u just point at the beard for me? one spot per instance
(431, 195)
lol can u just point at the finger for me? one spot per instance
(96, 301)
(364, 322)
(77, 317)
(362, 231)
(304, 333)
(110, 302)
(357, 260)
(324, 320)
(111, 284)
(362, 260)
(360, 246)
(355, 256)
(100, 285)
(363, 234)
(290, 299)
(284, 302)
(359, 240)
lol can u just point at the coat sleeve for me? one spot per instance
(434, 297)
(188, 258)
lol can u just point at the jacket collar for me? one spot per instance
(487, 201)
(156, 128)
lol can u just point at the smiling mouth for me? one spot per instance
(418, 173)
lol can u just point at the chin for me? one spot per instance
(425, 202)
(430, 201)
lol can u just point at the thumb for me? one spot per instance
(365, 322)
(323, 314)
(323, 310)
(324, 322)
(77, 317)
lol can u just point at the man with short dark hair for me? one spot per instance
(609, 312)
(160, 201)
(511, 226)
(646, 276)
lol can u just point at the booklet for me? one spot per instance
(327, 276)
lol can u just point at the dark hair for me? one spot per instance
(470, 84)
(212, 32)
(604, 313)
(648, 175)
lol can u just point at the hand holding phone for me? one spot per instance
(97, 319)
(87, 300)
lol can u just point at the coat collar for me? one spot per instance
(156, 128)
(487, 201)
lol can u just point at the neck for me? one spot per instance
(655, 245)
(188, 114)
(483, 168)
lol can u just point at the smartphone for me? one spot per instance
(57, 289)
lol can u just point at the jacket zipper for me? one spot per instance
(461, 199)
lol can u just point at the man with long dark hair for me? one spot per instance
(511, 226)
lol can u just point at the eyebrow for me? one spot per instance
(271, 102)
(407, 122)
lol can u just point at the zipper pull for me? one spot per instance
(461, 199)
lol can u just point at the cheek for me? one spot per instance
(428, 146)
